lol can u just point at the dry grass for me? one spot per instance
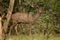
(33, 37)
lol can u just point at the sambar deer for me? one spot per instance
(25, 18)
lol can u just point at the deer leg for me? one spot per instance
(30, 31)
(10, 30)
(29, 28)
(16, 29)
(20, 28)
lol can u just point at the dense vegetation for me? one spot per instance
(47, 23)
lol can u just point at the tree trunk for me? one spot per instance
(9, 13)
(0, 28)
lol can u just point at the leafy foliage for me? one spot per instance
(50, 17)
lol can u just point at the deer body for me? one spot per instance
(24, 18)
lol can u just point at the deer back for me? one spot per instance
(22, 17)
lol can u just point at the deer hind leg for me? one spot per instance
(20, 28)
(16, 29)
(10, 30)
(11, 27)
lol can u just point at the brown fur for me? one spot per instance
(25, 17)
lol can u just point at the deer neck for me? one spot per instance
(36, 16)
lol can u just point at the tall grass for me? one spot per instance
(33, 37)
